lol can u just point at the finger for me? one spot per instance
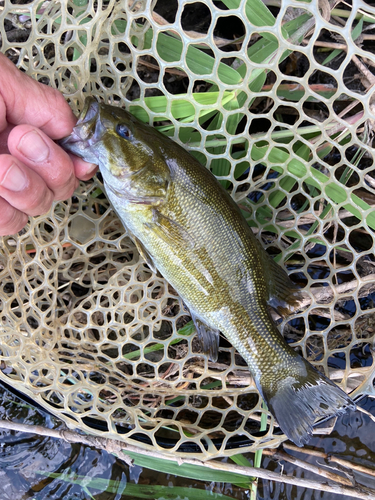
(4, 138)
(22, 188)
(28, 101)
(11, 219)
(82, 169)
(3, 114)
(38, 152)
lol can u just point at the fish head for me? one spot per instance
(126, 150)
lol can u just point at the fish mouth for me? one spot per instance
(88, 130)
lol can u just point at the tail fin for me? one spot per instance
(297, 400)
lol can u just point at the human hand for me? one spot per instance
(34, 170)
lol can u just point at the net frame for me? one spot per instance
(87, 329)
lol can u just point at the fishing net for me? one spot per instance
(282, 112)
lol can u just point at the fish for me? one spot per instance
(186, 226)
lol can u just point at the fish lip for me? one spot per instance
(88, 129)
(89, 111)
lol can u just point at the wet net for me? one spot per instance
(277, 101)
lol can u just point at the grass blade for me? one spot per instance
(145, 491)
(256, 11)
(188, 470)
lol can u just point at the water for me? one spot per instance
(353, 439)
(41, 468)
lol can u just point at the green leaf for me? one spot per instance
(212, 385)
(317, 179)
(171, 492)
(135, 490)
(332, 56)
(187, 470)
(262, 50)
(296, 168)
(294, 92)
(358, 29)
(240, 459)
(297, 28)
(170, 49)
(256, 11)
(187, 330)
(200, 63)
(181, 108)
(355, 34)
(346, 13)
(370, 219)
(222, 166)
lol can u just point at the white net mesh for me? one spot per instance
(285, 121)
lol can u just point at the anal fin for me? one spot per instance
(284, 295)
(208, 336)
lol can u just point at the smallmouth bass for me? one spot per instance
(187, 227)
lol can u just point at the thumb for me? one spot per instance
(27, 101)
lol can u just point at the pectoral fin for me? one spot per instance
(208, 336)
(168, 230)
(144, 253)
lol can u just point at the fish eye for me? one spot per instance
(123, 131)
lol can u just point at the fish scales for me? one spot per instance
(188, 228)
(229, 283)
